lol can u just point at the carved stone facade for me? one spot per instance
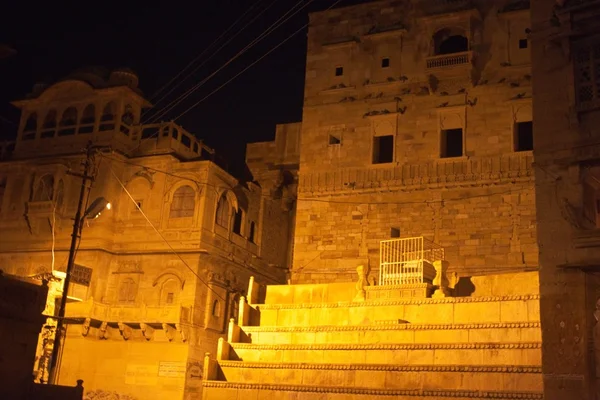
(566, 110)
(161, 272)
(417, 120)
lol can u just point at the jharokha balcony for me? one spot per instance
(126, 320)
(464, 58)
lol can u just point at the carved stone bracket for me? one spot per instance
(183, 331)
(125, 330)
(103, 331)
(85, 328)
(169, 332)
(147, 331)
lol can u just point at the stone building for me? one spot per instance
(417, 122)
(148, 296)
(565, 60)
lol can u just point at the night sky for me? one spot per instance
(157, 41)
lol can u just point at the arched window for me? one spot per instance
(252, 232)
(89, 114)
(169, 292)
(31, 124)
(108, 117)
(109, 112)
(127, 117)
(127, 291)
(222, 215)
(50, 120)
(69, 117)
(44, 190)
(237, 222)
(235, 307)
(68, 122)
(183, 202)
(60, 192)
(448, 41)
(216, 309)
(49, 125)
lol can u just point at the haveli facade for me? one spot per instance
(566, 83)
(144, 304)
(417, 122)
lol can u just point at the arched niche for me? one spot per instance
(44, 188)
(183, 202)
(140, 188)
(450, 40)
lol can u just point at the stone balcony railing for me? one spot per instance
(450, 60)
(128, 314)
(438, 173)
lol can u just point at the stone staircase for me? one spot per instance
(320, 342)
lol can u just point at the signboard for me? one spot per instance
(81, 275)
(141, 374)
(171, 369)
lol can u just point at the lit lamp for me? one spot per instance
(93, 212)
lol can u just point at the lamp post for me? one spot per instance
(94, 210)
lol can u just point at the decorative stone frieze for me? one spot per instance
(379, 327)
(385, 346)
(475, 394)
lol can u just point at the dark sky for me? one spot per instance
(157, 41)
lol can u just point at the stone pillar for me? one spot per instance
(440, 280)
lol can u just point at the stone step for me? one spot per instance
(454, 310)
(512, 332)
(253, 391)
(375, 376)
(404, 354)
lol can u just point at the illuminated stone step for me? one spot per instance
(403, 354)
(461, 310)
(375, 376)
(252, 391)
(512, 332)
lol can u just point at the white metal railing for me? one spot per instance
(401, 260)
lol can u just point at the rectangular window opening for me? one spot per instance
(452, 143)
(334, 139)
(523, 43)
(385, 62)
(339, 71)
(383, 149)
(524, 136)
(170, 298)
(394, 232)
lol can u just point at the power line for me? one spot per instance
(319, 200)
(238, 32)
(264, 34)
(161, 235)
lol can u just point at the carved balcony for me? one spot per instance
(152, 315)
(445, 61)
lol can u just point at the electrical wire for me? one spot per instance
(264, 34)
(161, 235)
(317, 200)
(237, 33)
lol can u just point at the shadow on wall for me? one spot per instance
(464, 287)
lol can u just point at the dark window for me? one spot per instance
(383, 149)
(587, 75)
(448, 41)
(186, 141)
(31, 124)
(333, 139)
(339, 71)
(395, 232)
(170, 296)
(523, 43)
(251, 233)
(524, 136)
(89, 115)
(452, 143)
(385, 62)
(237, 222)
(222, 214)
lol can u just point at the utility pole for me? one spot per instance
(70, 264)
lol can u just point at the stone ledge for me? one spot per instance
(384, 327)
(384, 346)
(370, 303)
(473, 394)
(501, 369)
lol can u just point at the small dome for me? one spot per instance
(124, 77)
